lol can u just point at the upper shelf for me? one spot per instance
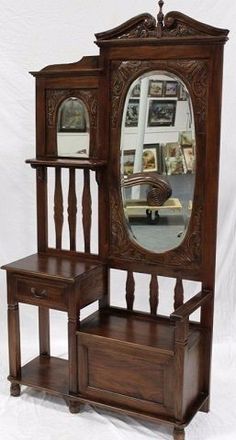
(87, 66)
(68, 163)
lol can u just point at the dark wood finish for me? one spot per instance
(87, 211)
(58, 208)
(130, 289)
(44, 331)
(140, 364)
(72, 209)
(42, 208)
(179, 293)
(154, 294)
(92, 164)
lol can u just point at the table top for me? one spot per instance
(66, 268)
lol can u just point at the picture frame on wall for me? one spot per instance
(128, 161)
(174, 159)
(151, 158)
(161, 113)
(189, 158)
(132, 113)
(171, 89)
(156, 88)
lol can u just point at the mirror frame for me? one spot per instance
(193, 52)
(56, 83)
(191, 74)
(175, 79)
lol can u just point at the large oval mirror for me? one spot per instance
(73, 129)
(158, 158)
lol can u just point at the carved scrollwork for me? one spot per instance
(146, 29)
(54, 97)
(188, 253)
(173, 25)
(179, 30)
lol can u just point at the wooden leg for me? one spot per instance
(15, 389)
(74, 407)
(73, 368)
(14, 341)
(179, 434)
(44, 331)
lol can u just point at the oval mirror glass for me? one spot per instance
(158, 159)
(73, 129)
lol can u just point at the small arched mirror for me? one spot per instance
(73, 129)
(158, 159)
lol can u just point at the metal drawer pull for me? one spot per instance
(38, 294)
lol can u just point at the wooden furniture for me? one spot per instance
(142, 364)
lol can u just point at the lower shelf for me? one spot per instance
(46, 373)
(50, 374)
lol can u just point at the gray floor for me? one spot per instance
(169, 230)
(159, 237)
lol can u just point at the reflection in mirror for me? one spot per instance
(73, 129)
(158, 157)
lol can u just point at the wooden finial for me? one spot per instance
(160, 18)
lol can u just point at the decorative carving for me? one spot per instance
(173, 25)
(187, 254)
(145, 29)
(193, 72)
(54, 98)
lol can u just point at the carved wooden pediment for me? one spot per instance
(173, 25)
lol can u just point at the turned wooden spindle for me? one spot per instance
(58, 208)
(154, 294)
(179, 293)
(72, 209)
(87, 211)
(130, 289)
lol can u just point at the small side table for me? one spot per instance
(62, 283)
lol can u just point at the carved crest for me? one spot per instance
(173, 25)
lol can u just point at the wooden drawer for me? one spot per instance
(125, 375)
(42, 293)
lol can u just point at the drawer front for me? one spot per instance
(42, 293)
(125, 375)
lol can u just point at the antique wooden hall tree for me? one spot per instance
(143, 364)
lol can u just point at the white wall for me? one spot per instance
(35, 33)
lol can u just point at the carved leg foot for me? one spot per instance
(179, 434)
(74, 407)
(15, 389)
